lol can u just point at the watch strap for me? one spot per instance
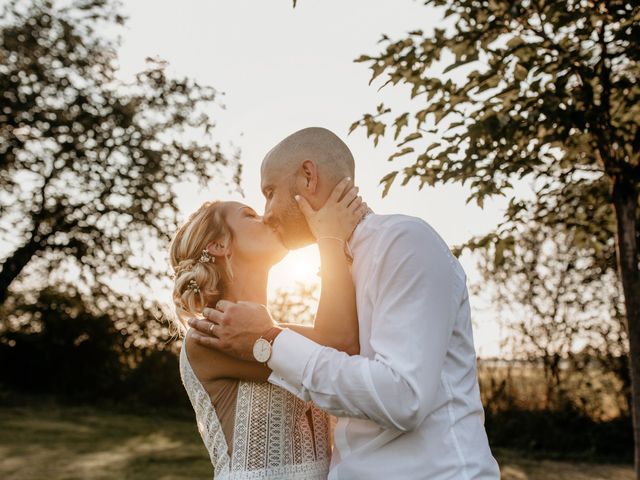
(271, 334)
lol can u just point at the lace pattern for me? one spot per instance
(276, 436)
(206, 418)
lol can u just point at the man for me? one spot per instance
(409, 404)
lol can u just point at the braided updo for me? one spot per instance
(199, 281)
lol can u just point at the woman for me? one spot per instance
(252, 429)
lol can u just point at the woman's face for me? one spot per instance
(253, 240)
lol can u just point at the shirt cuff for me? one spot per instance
(290, 355)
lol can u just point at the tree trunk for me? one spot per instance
(625, 199)
(13, 265)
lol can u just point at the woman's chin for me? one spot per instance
(277, 258)
(270, 256)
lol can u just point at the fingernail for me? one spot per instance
(297, 197)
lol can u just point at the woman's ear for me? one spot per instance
(310, 174)
(217, 249)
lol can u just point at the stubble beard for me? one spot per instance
(294, 230)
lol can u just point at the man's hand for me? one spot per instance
(232, 328)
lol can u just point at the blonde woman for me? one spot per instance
(251, 428)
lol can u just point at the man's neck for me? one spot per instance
(249, 284)
(365, 215)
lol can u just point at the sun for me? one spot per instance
(299, 266)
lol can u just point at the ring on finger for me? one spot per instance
(211, 328)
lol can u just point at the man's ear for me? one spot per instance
(217, 249)
(310, 174)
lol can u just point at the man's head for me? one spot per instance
(309, 162)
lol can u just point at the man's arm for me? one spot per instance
(210, 365)
(234, 327)
(417, 298)
(335, 324)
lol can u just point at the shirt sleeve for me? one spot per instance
(417, 294)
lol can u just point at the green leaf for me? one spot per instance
(520, 73)
(515, 42)
(387, 180)
(432, 146)
(400, 122)
(410, 138)
(421, 116)
(400, 153)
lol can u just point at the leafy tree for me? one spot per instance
(297, 304)
(53, 344)
(88, 347)
(88, 160)
(543, 92)
(563, 317)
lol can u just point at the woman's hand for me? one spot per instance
(336, 321)
(338, 217)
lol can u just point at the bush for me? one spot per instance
(57, 344)
(569, 434)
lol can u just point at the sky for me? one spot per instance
(282, 69)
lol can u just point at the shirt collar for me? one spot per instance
(348, 246)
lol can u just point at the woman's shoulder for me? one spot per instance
(204, 361)
(210, 365)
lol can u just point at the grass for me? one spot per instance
(514, 466)
(69, 443)
(82, 443)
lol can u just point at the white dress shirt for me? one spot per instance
(409, 405)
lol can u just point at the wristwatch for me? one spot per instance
(263, 346)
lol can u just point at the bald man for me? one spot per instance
(409, 405)
(320, 160)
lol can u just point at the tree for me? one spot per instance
(52, 344)
(87, 160)
(297, 304)
(562, 316)
(543, 92)
(94, 347)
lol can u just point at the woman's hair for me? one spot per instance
(198, 279)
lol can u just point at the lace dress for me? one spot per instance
(276, 436)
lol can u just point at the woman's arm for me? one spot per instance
(336, 322)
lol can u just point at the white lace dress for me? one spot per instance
(276, 436)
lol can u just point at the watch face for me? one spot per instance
(262, 350)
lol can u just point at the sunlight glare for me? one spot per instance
(298, 266)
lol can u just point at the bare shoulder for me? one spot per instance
(210, 365)
(204, 361)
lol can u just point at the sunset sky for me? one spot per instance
(283, 69)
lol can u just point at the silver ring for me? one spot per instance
(211, 328)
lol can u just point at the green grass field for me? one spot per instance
(56, 443)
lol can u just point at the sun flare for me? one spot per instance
(299, 266)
